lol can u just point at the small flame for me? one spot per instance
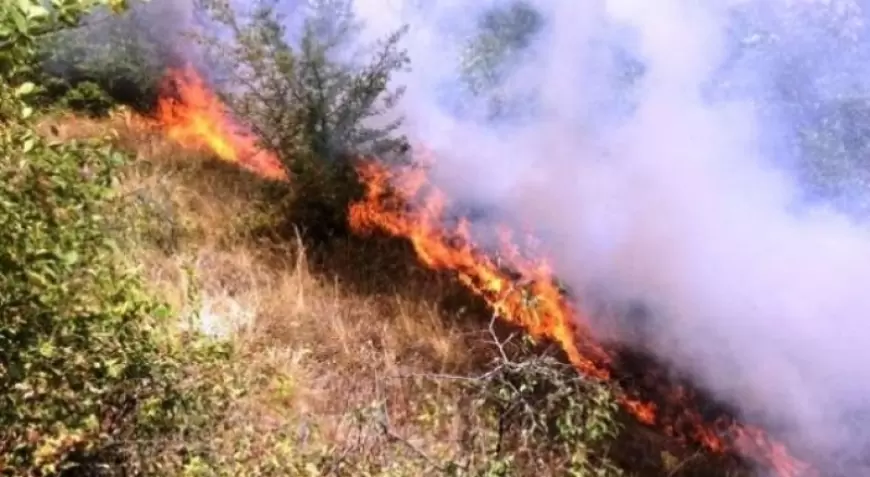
(194, 117)
(400, 202)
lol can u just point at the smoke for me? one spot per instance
(691, 156)
(686, 186)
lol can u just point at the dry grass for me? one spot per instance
(327, 350)
(324, 329)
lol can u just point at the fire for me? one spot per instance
(518, 288)
(401, 203)
(196, 118)
(455, 251)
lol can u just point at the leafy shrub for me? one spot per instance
(534, 414)
(88, 97)
(306, 100)
(121, 58)
(79, 367)
(91, 381)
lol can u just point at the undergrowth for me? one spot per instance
(165, 314)
(350, 359)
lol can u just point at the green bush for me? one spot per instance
(88, 97)
(536, 415)
(306, 101)
(92, 379)
(110, 59)
(86, 373)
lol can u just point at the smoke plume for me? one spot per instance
(686, 187)
(684, 155)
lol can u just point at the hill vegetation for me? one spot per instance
(163, 312)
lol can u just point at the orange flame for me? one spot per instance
(196, 118)
(535, 302)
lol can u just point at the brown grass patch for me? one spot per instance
(323, 329)
(327, 349)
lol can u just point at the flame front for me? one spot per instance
(194, 117)
(401, 203)
(454, 250)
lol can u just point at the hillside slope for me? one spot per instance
(355, 360)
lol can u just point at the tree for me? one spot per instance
(315, 95)
(504, 34)
(799, 66)
(317, 98)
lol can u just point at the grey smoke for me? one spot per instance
(693, 199)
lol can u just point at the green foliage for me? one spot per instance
(501, 42)
(88, 97)
(85, 373)
(24, 25)
(537, 415)
(315, 98)
(318, 102)
(91, 380)
(124, 55)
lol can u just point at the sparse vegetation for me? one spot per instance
(347, 357)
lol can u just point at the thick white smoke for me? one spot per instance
(676, 189)
(682, 203)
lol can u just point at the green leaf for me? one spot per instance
(114, 368)
(25, 89)
(26, 112)
(71, 257)
(36, 12)
(46, 349)
(19, 20)
(162, 312)
(23, 5)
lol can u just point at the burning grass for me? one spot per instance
(363, 305)
(235, 216)
(349, 348)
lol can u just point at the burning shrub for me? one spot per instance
(310, 100)
(110, 58)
